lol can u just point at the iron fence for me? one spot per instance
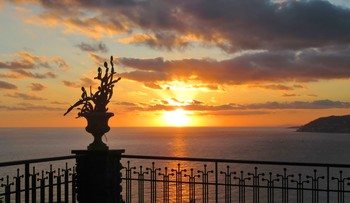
(38, 180)
(175, 179)
(179, 179)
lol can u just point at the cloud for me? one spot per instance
(98, 60)
(230, 25)
(71, 84)
(7, 86)
(30, 107)
(25, 65)
(25, 61)
(274, 87)
(84, 82)
(159, 40)
(317, 104)
(96, 47)
(24, 96)
(289, 95)
(19, 74)
(125, 103)
(199, 106)
(232, 113)
(312, 95)
(37, 87)
(277, 67)
(59, 103)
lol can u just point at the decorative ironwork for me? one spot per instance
(228, 180)
(128, 187)
(165, 181)
(341, 186)
(272, 182)
(256, 182)
(141, 184)
(192, 186)
(153, 173)
(270, 187)
(178, 182)
(32, 186)
(315, 186)
(205, 180)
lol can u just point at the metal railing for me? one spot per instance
(176, 179)
(180, 179)
(38, 180)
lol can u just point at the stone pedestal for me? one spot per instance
(99, 176)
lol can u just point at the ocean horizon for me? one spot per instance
(248, 143)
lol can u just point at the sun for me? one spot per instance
(178, 118)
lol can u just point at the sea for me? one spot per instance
(242, 143)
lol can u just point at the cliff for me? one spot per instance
(331, 124)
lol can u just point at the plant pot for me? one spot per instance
(97, 125)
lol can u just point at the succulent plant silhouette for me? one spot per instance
(97, 102)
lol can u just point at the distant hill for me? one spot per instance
(331, 124)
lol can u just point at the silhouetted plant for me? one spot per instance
(97, 102)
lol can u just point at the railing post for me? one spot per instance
(328, 179)
(216, 182)
(26, 182)
(99, 176)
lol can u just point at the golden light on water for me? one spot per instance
(178, 118)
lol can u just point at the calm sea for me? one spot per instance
(268, 144)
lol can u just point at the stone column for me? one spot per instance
(99, 176)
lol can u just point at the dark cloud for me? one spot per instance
(95, 47)
(231, 25)
(24, 96)
(7, 86)
(37, 87)
(298, 40)
(277, 67)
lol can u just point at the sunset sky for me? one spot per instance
(182, 62)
